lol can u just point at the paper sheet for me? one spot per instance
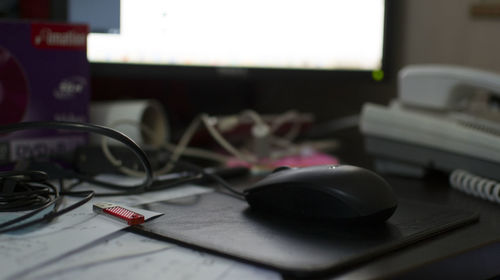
(85, 245)
(25, 250)
(124, 255)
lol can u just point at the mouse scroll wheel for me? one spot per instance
(281, 168)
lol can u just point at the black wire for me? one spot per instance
(22, 190)
(105, 131)
(97, 129)
(88, 195)
(212, 176)
(9, 200)
(30, 190)
(32, 178)
(157, 186)
(26, 182)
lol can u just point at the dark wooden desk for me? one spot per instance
(470, 252)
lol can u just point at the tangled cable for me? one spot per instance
(31, 190)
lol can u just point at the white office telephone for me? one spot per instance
(445, 117)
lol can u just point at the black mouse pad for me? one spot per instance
(225, 225)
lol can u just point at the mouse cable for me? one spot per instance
(157, 185)
(163, 184)
(31, 190)
(218, 179)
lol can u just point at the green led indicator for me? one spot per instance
(378, 75)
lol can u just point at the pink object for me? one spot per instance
(292, 161)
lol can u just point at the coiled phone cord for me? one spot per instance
(478, 186)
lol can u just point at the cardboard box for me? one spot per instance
(44, 76)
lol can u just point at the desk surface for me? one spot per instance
(225, 225)
(470, 252)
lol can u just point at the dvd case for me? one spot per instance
(44, 76)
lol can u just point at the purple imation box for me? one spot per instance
(44, 76)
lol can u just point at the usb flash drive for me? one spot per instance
(118, 213)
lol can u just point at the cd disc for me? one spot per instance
(14, 90)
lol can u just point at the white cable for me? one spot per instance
(210, 125)
(266, 135)
(475, 185)
(112, 159)
(261, 135)
(177, 150)
(183, 143)
(182, 148)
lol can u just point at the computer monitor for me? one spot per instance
(246, 39)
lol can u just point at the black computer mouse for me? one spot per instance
(332, 193)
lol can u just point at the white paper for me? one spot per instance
(85, 245)
(125, 255)
(27, 249)
(148, 197)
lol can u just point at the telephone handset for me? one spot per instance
(443, 86)
(445, 117)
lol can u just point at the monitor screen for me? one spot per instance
(236, 36)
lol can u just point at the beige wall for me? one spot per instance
(443, 31)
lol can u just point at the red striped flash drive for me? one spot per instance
(118, 213)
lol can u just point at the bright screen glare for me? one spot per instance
(284, 34)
